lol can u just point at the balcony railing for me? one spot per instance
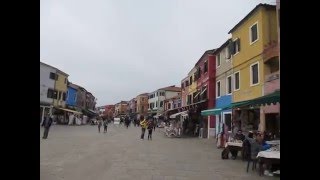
(272, 76)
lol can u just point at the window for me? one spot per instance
(187, 83)
(142, 108)
(218, 60)
(50, 93)
(64, 96)
(237, 80)
(229, 85)
(218, 89)
(254, 33)
(236, 46)
(254, 74)
(169, 105)
(179, 105)
(228, 56)
(174, 106)
(190, 80)
(161, 103)
(75, 97)
(65, 80)
(67, 95)
(53, 76)
(59, 95)
(205, 67)
(157, 104)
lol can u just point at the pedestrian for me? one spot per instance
(144, 124)
(150, 128)
(154, 124)
(105, 126)
(47, 123)
(99, 124)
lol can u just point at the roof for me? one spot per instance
(143, 94)
(171, 88)
(61, 72)
(223, 46)
(207, 52)
(73, 86)
(268, 6)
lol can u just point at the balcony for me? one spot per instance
(270, 51)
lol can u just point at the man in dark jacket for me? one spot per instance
(46, 123)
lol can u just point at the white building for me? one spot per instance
(156, 99)
(46, 83)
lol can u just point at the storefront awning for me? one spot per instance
(269, 99)
(177, 114)
(210, 112)
(69, 110)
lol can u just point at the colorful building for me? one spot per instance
(142, 104)
(204, 97)
(61, 88)
(224, 86)
(71, 95)
(184, 91)
(249, 39)
(121, 108)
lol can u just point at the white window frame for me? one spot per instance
(219, 55)
(227, 85)
(234, 81)
(251, 74)
(235, 47)
(217, 89)
(250, 34)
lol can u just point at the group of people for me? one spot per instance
(147, 124)
(103, 122)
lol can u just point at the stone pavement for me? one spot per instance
(81, 153)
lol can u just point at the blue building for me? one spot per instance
(71, 95)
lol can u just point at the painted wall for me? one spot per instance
(46, 83)
(61, 87)
(142, 100)
(193, 87)
(71, 96)
(184, 92)
(252, 53)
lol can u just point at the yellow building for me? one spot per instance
(249, 37)
(61, 87)
(192, 85)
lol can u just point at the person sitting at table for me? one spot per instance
(238, 136)
(262, 142)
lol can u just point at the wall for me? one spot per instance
(142, 102)
(45, 83)
(60, 86)
(71, 96)
(193, 86)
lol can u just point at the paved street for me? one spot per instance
(81, 153)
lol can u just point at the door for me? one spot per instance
(227, 120)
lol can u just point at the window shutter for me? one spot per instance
(238, 43)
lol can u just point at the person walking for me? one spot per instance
(46, 123)
(99, 124)
(105, 126)
(144, 125)
(150, 129)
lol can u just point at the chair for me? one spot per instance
(251, 150)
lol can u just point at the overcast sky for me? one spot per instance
(117, 49)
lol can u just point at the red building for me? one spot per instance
(206, 78)
(109, 111)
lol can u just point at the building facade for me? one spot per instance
(71, 95)
(142, 104)
(184, 91)
(61, 88)
(224, 86)
(249, 39)
(132, 106)
(205, 90)
(121, 108)
(109, 111)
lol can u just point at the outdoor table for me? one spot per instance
(234, 146)
(274, 142)
(268, 157)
